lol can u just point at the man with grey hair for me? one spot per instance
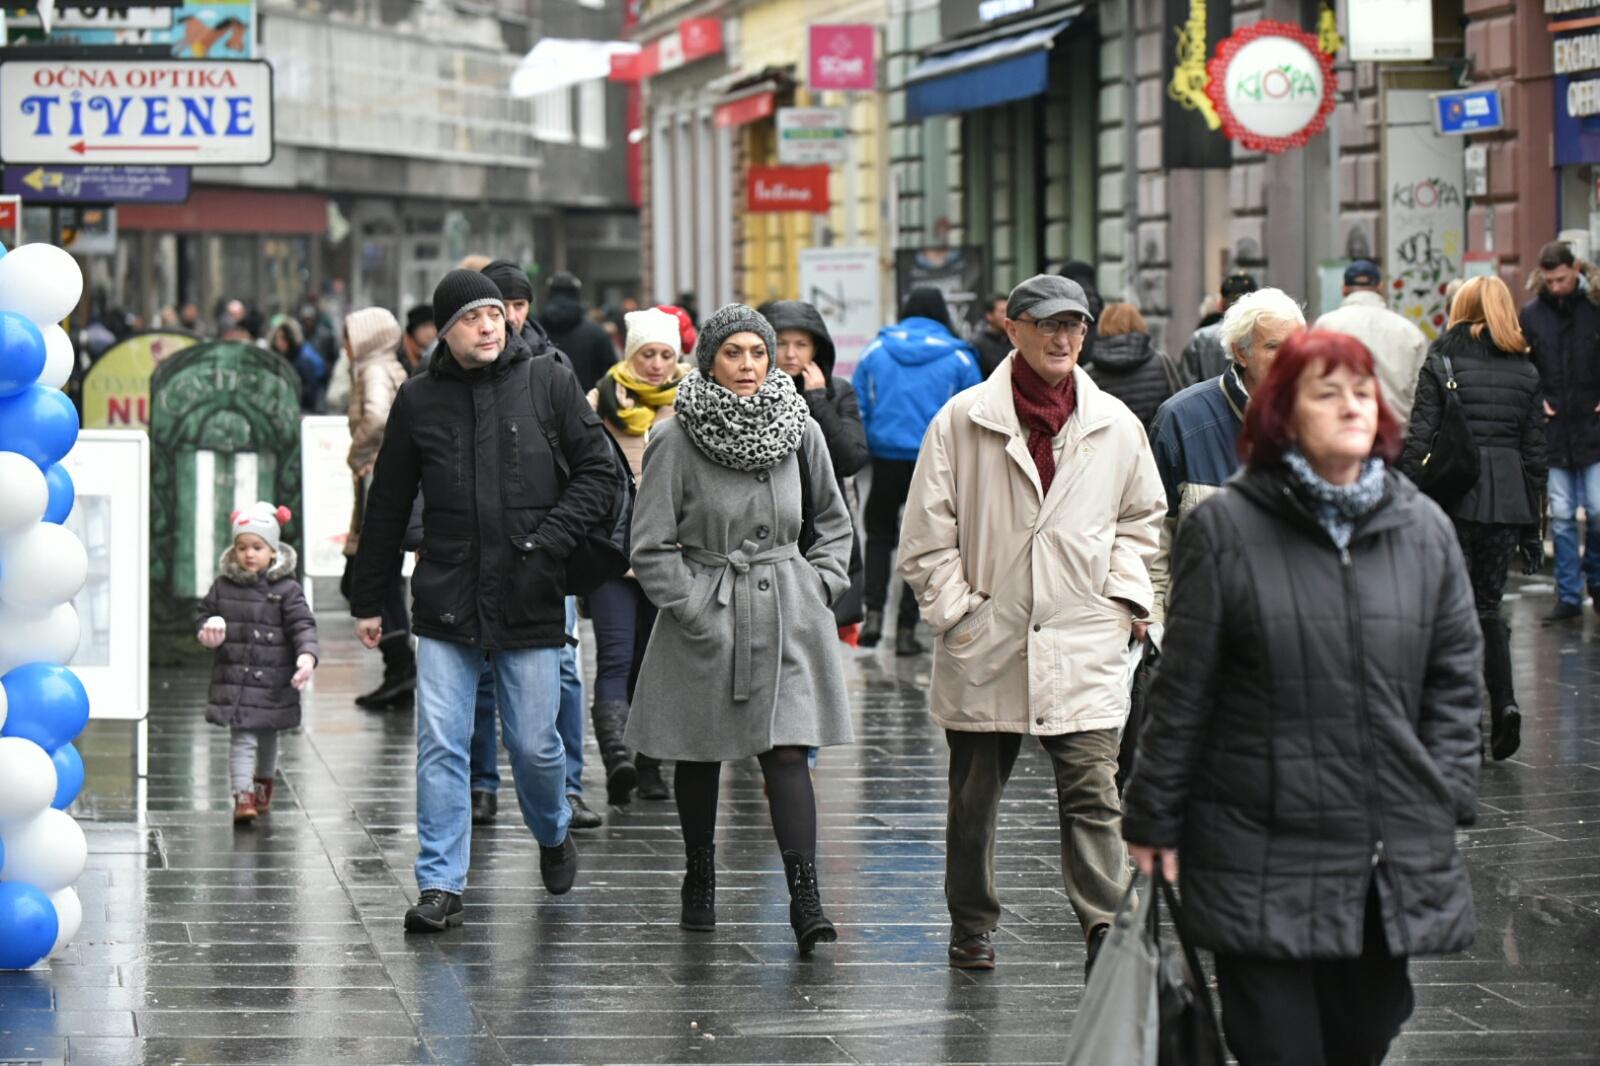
(1195, 434)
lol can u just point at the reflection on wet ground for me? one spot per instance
(282, 944)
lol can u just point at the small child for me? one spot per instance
(257, 619)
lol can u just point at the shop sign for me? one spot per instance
(1468, 111)
(99, 185)
(843, 58)
(136, 111)
(1576, 54)
(692, 41)
(1272, 86)
(743, 111)
(787, 189)
(1191, 129)
(813, 135)
(1382, 31)
(845, 286)
(99, 18)
(116, 390)
(211, 29)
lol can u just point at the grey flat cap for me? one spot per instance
(1046, 295)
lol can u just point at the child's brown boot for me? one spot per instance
(244, 808)
(263, 794)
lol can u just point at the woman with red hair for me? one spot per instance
(1312, 734)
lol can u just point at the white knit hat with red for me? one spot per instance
(263, 519)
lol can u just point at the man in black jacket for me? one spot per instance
(586, 343)
(1562, 324)
(498, 528)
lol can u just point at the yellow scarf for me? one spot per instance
(637, 420)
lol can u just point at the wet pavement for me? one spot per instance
(282, 943)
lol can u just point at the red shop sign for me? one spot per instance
(842, 58)
(743, 111)
(693, 40)
(787, 189)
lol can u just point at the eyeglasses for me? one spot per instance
(1048, 327)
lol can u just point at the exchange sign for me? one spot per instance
(1272, 86)
(137, 112)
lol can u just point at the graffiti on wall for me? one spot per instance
(1425, 221)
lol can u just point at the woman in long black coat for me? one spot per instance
(1312, 734)
(1499, 392)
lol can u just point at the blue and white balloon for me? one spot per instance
(42, 567)
(62, 494)
(28, 926)
(48, 705)
(24, 493)
(38, 422)
(69, 776)
(47, 851)
(29, 774)
(40, 281)
(22, 353)
(69, 916)
(59, 357)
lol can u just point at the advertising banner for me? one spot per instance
(845, 285)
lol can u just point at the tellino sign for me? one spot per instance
(1272, 86)
(136, 112)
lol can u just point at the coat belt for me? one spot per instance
(733, 587)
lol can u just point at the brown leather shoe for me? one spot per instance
(972, 952)
(244, 808)
(263, 794)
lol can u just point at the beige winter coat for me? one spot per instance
(1022, 591)
(376, 376)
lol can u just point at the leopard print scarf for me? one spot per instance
(743, 433)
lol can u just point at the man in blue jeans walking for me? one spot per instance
(497, 531)
(569, 723)
(1562, 324)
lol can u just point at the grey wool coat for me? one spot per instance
(744, 656)
(269, 626)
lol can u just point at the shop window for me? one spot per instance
(592, 114)
(552, 116)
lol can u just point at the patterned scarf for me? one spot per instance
(1042, 409)
(743, 432)
(637, 419)
(1338, 507)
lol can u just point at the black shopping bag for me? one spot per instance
(1188, 1026)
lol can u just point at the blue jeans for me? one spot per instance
(1569, 490)
(569, 720)
(525, 682)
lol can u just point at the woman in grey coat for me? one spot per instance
(743, 660)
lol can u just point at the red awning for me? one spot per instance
(214, 209)
(745, 110)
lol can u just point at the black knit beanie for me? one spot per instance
(459, 292)
(511, 279)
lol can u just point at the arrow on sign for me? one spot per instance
(82, 147)
(40, 179)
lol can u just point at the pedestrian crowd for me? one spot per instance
(1265, 575)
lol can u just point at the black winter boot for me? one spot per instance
(610, 719)
(811, 926)
(399, 684)
(1505, 731)
(906, 644)
(700, 891)
(872, 628)
(651, 786)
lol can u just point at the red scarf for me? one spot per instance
(1042, 409)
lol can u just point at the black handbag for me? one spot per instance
(1450, 469)
(1188, 1034)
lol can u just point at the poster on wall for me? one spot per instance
(844, 285)
(957, 272)
(116, 390)
(1425, 216)
(328, 493)
(1191, 129)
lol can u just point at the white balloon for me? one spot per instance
(29, 636)
(5, 701)
(41, 282)
(23, 494)
(27, 779)
(47, 852)
(42, 567)
(58, 357)
(69, 916)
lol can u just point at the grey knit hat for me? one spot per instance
(731, 319)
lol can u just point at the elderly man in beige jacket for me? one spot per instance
(1034, 512)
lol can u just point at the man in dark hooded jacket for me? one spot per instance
(567, 323)
(806, 353)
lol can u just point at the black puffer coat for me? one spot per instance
(269, 627)
(1129, 368)
(838, 415)
(1499, 394)
(1204, 356)
(1564, 332)
(586, 343)
(497, 525)
(1314, 725)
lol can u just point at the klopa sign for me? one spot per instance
(136, 112)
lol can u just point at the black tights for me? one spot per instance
(789, 798)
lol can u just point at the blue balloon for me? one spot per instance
(28, 925)
(62, 494)
(69, 776)
(48, 705)
(39, 423)
(22, 353)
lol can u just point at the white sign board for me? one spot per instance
(1386, 30)
(328, 490)
(809, 135)
(110, 471)
(1425, 214)
(101, 18)
(177, 112)
(846, 286)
